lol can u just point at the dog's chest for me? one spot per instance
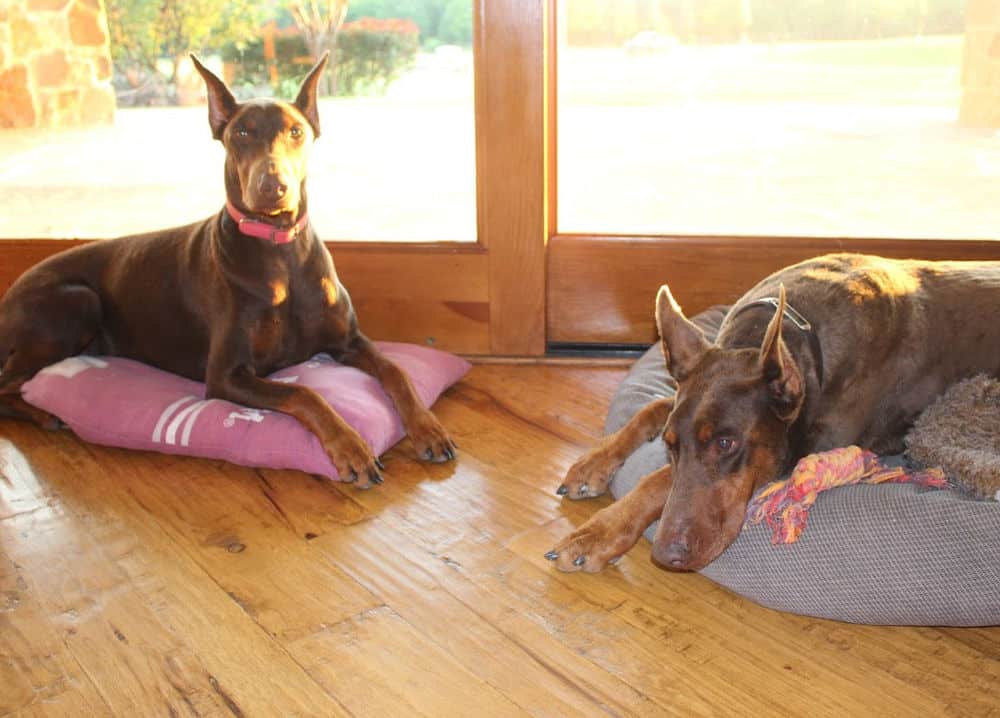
(300, 319)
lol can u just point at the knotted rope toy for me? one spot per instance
(785, 504)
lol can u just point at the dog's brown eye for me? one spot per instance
(296, 132)
(726, 444)
(242, 132)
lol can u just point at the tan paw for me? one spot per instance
(589, 477)
(592, 546)
(431, 440)
(354, 460)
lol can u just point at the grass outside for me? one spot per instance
(837, 139)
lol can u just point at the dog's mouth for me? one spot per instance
(271, 191)
(698, 525)
(677, 555)
(273, 212)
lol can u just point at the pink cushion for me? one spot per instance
(120, 402)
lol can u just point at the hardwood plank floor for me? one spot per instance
(136, 584)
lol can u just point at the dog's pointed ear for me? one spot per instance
(221, 103)
(683, 343)
(779, 369)
(306, 100)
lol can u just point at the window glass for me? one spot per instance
(779, 117)
(104, 131)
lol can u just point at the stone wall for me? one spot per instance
(55, 64)
(981, 65)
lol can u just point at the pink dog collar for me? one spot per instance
(262, 230)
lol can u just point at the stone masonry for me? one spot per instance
(55, 64)
(981, 65)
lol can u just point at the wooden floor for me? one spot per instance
(140, 584)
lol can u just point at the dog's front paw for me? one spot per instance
(431, 440)
(598, 542)
(354, 460)
(589, 476)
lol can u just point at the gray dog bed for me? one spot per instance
(887, 554)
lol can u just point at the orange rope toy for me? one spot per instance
(785, 504)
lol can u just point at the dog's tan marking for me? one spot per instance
(330, 289)
(279, 293)
(705, 432)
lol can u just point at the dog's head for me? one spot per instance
(267, 145)
(727, 435)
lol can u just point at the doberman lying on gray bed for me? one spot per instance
(838, 350)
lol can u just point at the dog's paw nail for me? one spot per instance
(562, 490)
(353, 477)
(583, 490)
(448, 452)
(374, 477)
(429, 454)
(551, 555)
(614, 560)
(579, 560)
(379, 464)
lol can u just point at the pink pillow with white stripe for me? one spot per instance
(120, 402)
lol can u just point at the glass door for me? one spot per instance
(705, 144)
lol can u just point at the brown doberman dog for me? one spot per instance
(227, 300)
(859, 348)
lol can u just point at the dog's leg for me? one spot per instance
(614, 529)
(348, 452)
(430, 440)
(42, 328)
(11, 403)
(14, 407)
(590, 475)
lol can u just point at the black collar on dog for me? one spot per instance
(800, 322)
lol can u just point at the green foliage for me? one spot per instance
(440, 21)
(292, 62)
(455, 26)
(370, 54)
(600, 23)
(807, 20)
(143, 31)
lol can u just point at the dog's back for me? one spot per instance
(894, 335)
(145, 305)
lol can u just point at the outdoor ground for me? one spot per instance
(836, 139)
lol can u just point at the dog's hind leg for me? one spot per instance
(589, 476)
(38, 331)
(12, 405)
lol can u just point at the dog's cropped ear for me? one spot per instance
(221, 103)
(683, 343)
(780, 371)
(306, 100)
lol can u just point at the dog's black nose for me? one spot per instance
(272, 187)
